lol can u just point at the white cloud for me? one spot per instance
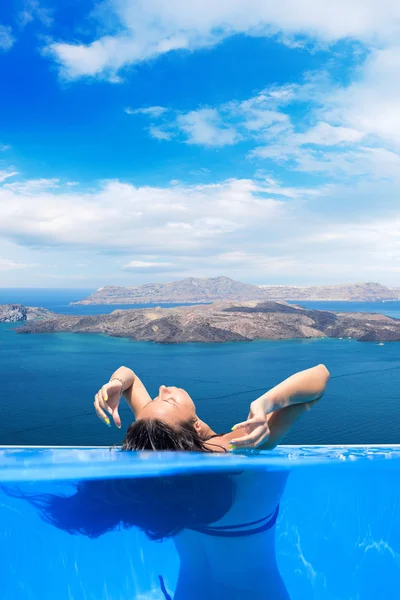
(324, 134)
(10, 265)
(226, 124)
(255, 230)
(48, 213)
(322, 147)
(32, 186)
(371, 103)
(150, 111)
(6, 38)
(108, 55)
(205, 127)
(160, 134)
(146, 265)
(33, 10)
(7, 174)
(149, 28)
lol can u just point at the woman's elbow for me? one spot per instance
(324, 371)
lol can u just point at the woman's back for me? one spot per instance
(235, 556)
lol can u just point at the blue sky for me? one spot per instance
(142, 140)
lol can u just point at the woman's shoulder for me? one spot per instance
(219, 443)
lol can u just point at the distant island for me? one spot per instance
(15, 313)
(224, 322)
(196, 291)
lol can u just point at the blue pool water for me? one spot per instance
(337, 536)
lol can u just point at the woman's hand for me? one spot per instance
(107, 401)
(256, 427)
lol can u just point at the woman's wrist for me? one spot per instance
(125, 376)
(121, 381)
(266, 403)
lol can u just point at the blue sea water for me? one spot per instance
(389, 308)
(48, 381)
(58, 300)
(61, 300)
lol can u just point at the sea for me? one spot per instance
(48, 381)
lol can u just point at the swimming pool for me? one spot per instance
(337, 534)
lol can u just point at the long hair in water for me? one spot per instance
(159, 506)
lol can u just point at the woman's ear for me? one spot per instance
(198, 425)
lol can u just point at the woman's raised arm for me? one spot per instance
(304, 386)
(274, 413)
(122, 382)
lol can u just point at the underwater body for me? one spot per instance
(336, 534)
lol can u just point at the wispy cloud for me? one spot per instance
(226, 124)
(33, 10)
(150, 111)
(147, 29)
(205, 127)
(46, 212)
(7, 175)
(6, 38)
(371, 102)
(149, 266)
(10, 265)
(32, 186)
(258, 230)
(158, 133)
(333, 138)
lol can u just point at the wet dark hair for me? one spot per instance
(155, 434)
(160, 506)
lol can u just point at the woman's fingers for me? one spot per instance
(104, 404)
(240, 425)
(251, 421)
(116, 417)
(259, 432)
(253, 439)
(103, 394)
(99, 408)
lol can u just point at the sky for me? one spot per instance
(144, 140)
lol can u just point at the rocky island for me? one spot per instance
(225, 322)
(14, 313)
(196, 290)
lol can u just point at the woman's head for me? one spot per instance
(173, 405)
(156, 434)
(169, 422)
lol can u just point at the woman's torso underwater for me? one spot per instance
(235, 556)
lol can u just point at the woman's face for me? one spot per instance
(172, 405)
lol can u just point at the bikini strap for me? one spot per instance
(238, 530)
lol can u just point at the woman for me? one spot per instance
(170, 421)
(222, 524)
(241, 510)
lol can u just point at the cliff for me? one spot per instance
(223, 288)
(13, 313)
(222, 322)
